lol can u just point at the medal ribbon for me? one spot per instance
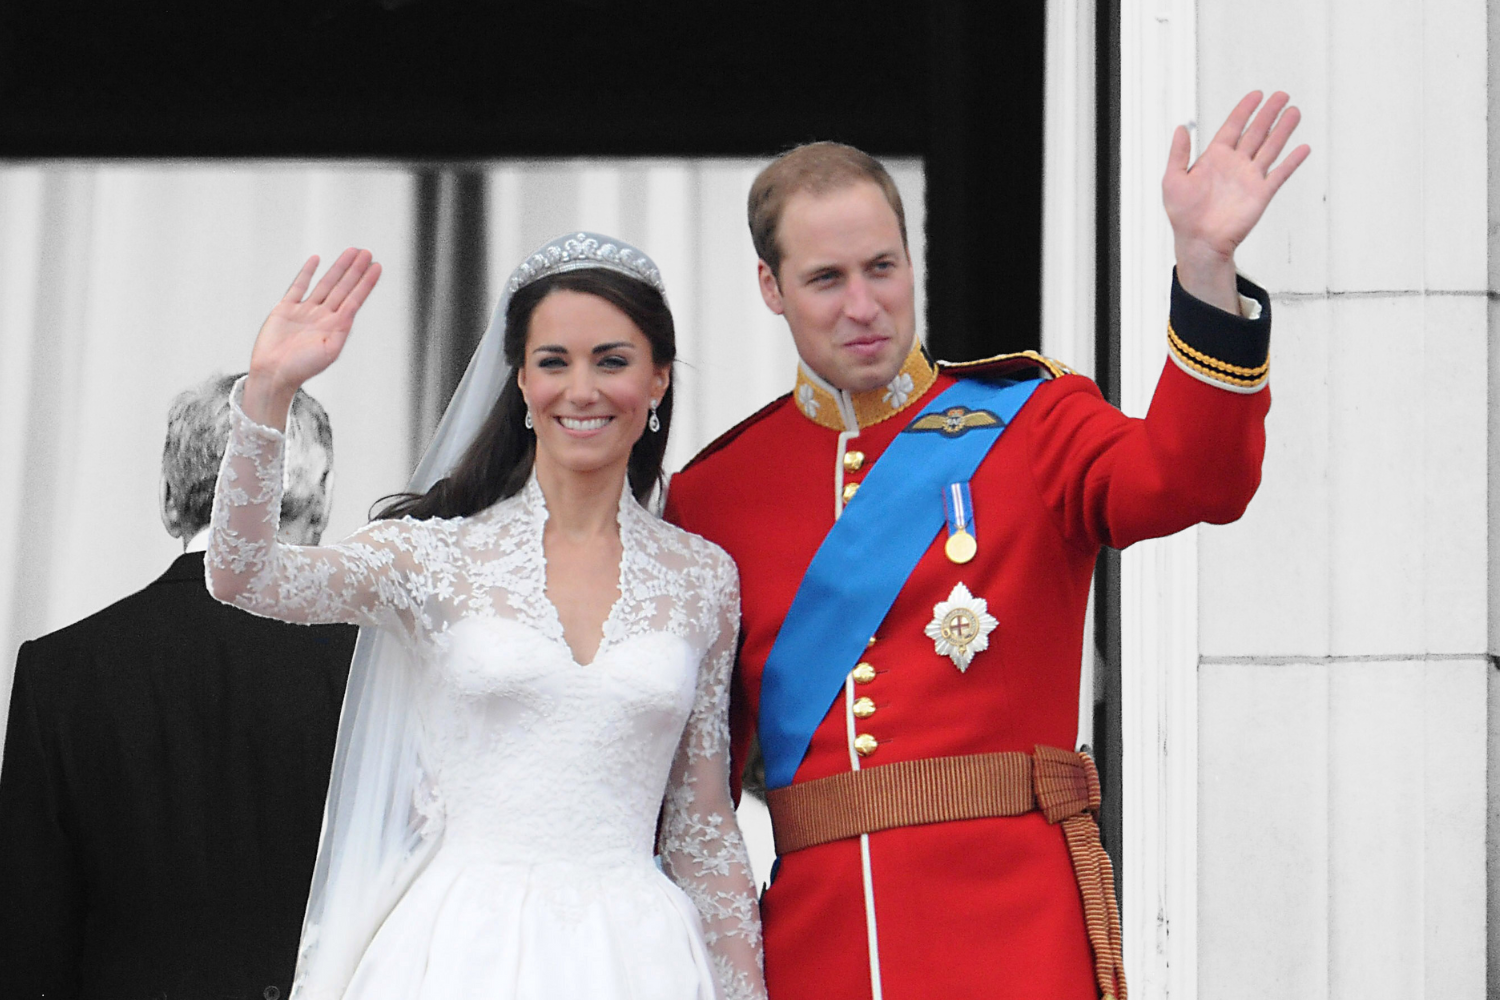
(959, 508)
(865, 560)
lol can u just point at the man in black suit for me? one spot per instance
(166, 762)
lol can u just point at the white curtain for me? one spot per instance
(123, 283)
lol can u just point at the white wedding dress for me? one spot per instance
(546, 777)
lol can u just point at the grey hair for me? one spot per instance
(197, 433)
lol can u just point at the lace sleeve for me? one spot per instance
(381, 575)
(701, 847)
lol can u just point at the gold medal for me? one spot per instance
(960, 547)
(959, 510)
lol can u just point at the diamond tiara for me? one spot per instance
(581, 250)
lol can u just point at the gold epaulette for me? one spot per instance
(1006, 364)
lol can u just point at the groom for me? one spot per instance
(916, 544)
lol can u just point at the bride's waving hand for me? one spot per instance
(305, 332)
(366, 579)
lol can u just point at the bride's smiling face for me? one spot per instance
(589, 381)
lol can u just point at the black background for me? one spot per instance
(959, 84)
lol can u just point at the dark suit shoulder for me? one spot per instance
(132, 618)
(174, 752)
(172, 617)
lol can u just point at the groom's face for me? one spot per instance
(844, 285)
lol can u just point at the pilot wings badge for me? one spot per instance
(956, 421)
(961, 627)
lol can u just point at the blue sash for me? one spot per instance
(865, 560)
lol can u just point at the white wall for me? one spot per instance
(1343, 621)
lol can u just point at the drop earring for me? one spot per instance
(654, 422)
(529, 424)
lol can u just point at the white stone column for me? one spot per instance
(1069, 189)
(1158, 591)
(1343, 622)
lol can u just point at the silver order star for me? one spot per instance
(898, 390)
(961, 626)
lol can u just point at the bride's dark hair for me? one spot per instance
(498, 462)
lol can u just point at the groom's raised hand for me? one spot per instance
(1214, 204)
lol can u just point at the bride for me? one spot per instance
(538, 700)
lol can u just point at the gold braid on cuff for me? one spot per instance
(1210, 367)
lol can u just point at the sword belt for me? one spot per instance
(1062, 784)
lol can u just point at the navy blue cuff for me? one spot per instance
(1218, 347)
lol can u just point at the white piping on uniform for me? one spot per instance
(864, 851)
(864, 854)
(845, 404)
(838, 471)
(849, 720)
(846, 411)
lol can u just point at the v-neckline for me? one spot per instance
(541, 513)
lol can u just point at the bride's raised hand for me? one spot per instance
(305, 332)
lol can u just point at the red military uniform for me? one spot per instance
(984, 907)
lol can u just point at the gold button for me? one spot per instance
(865, 744)
(870, 643)
(863, 708)
(864, 673)
(849, 490)
(853, 460)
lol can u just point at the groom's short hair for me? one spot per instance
(817, 168)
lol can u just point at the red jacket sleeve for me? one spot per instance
(1109, 479)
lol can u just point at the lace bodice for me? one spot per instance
(533, 757)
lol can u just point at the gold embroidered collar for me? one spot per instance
(851, 411)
